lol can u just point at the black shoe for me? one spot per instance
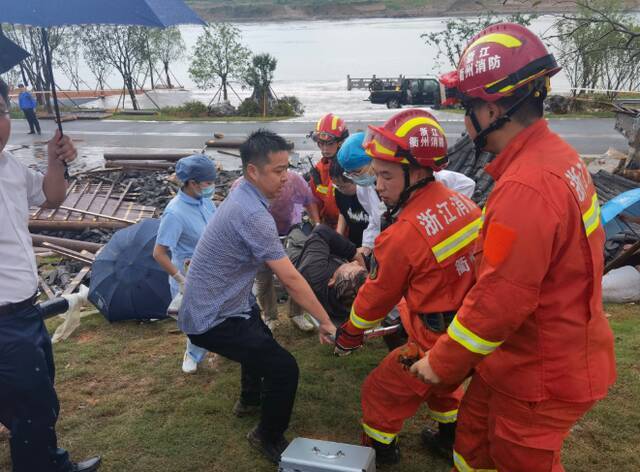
(441, 441)
(241, 410)
(270, 449)
(31, 132)
(87, 466)
(386, 454)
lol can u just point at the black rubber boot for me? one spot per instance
(386, 454)
(441, 441)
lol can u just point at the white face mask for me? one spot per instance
(208, 192)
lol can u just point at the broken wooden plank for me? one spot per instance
(98, 215)
(126, 190)
(69, 253)
(109, 193)
(46, 289)
(228, 153)
(173, 157)
(77, 280)
(141, 165)
(622, 258)
(72, 244)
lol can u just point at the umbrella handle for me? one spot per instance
(56, 107)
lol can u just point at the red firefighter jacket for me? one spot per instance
(533, 324)
(425, 257)
(325, 193)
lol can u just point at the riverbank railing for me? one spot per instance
(373, 82)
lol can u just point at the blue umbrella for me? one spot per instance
(49, 13)
(10, 54)
(126, 281)
(627, 202)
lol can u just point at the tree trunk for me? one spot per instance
(224, 89)
(132, 93)
(166, 71)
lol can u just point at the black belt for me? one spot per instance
(438, 322)
(14, 307)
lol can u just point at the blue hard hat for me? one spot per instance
(351, 155)
(197, 167)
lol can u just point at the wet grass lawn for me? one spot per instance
(123, 396)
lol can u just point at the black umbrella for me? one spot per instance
(126, 281)
(10, 54)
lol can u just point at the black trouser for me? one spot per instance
(32, 119)
(269, 372)
(29, 406)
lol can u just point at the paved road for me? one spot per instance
(588, 136)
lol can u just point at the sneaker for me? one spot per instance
(241, 410)
(271, 324)
(189, 366)
(302, 323)
(272, 450)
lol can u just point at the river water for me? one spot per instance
(314, 58)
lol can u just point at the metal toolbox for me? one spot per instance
(313, 455)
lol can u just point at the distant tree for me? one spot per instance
(166, 46)
(598, 47)
(122, 47)
(68, 56)
(33, 69)
(451, 41)
(259, 75)
(219, 55)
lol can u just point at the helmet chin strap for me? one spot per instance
(480, 141)
(391, 214)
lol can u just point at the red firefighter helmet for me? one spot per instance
(330, 128)
(498, 61)
(409, 136)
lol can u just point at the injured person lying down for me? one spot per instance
(329, 263)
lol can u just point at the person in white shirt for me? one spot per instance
(357, 166)
(29, 405)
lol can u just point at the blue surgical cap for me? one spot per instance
(197, 167)
(351, 155)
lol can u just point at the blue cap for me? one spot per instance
(351, 155)
(197, 167)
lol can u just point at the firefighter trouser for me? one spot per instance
(498, 432)
(390, 395)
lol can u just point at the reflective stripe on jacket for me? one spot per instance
(534, 317)
(325, 193)
(425, 257)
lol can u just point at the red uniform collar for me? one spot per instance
(510, 153)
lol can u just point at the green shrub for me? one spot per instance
(193, 109)
(294, 103)
(249, 108)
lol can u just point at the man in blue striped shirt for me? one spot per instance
(219, 311)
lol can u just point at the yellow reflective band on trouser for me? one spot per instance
(462, 466)
(444, 416)
(505, 40)
(323, 189)
(470, 340)
(412, 123)
(591, 217)
(458, 241)
(384, 438)
(361, 322)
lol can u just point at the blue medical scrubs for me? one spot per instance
(183, 222)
